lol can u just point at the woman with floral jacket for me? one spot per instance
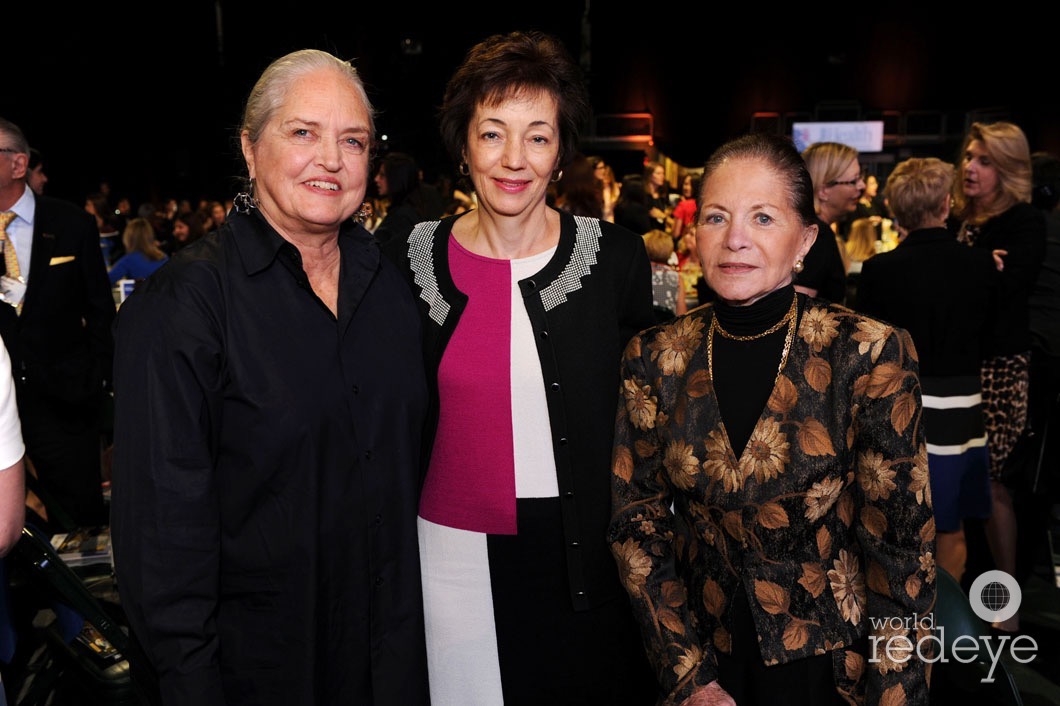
(772, 517)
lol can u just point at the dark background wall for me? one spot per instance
(149, 97)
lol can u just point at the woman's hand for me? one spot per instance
(710, 695)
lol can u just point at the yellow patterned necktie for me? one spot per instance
(10, 258)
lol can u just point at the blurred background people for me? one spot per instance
(122, 213)
(578, 191)
(668, 291)
(214, 215)
(142, 254)
(408, 198)
(188, 227)
(110, 245)
(36, 178)
(870, 206)
(859, 246)
(837, 186)
(768, 504)
(992, 210)
(526, 309)
(658, 190)
(609, 186)
(684, 213)
(632, 210)
(945, 295)
(266, 464)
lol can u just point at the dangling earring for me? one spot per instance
(557, 175)
(797, 267)
(245, 201)
(463, 169)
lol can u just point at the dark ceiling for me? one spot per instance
(149, 98)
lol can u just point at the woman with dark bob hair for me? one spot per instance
(526, 309)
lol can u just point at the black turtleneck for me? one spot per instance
(745, 371)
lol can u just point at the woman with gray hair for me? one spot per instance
(266, 459)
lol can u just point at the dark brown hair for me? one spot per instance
(780, 154)
(505, 65)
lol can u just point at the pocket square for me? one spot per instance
(61, 259)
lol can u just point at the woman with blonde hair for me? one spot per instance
(861, 243)
(859, 246)
(837, 186)
(992, 210)
(142, 254)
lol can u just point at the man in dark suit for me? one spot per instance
(55, 319)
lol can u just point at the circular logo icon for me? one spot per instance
(995, 596)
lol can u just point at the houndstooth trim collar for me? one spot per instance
(587, 234)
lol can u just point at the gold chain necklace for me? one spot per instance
(772, 329)
(790, 318)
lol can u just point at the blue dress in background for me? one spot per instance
(134, 265)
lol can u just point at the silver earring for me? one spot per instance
(557, 175)
(245, 201)
(463, 169)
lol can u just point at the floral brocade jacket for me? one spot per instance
(825, 519)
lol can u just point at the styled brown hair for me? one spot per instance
(514, 64)
(780, 154)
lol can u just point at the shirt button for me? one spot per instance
(555, 387)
